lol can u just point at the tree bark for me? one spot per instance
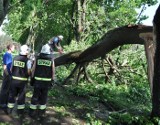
(80, 9)
(150, 52)
(3, 9)
(72, 24)
(84, 2)
(156, 76)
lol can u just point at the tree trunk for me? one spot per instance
(150, 51)
(80, 16)
(79, 28)
(84, 2)
(156, 76)
(72, 24)
(3, 9)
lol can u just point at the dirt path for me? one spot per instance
(62, 109)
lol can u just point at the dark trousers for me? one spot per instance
(40, 95)
(17, 90)
(5, 90)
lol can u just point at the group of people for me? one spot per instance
(18, 70)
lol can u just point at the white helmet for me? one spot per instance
(60, 37)
(24, 50)
(46, 49)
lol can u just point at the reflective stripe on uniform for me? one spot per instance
(19, 78)
(42, 107)
(33, 106)
(20, 106)
(10, 105)
(42, 79)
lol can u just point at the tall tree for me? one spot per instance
(156, 78)
(3, 9)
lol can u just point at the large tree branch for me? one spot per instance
(112, 39)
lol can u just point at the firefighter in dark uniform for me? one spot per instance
(21, 69)
(43, 73)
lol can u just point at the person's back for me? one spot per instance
(20, 72)
(19, 68)
(43, 69)
(43, 74)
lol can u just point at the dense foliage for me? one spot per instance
(45, 18)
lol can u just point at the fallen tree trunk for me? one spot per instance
(111, 40)
(130, 34)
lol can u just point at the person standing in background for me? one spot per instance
(7, 63)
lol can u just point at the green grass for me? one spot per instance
(123, 104)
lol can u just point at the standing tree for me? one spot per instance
(3, 9)
(156, 75)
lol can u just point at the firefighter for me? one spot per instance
(54, 43)
(21, 69)
(43, 74)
